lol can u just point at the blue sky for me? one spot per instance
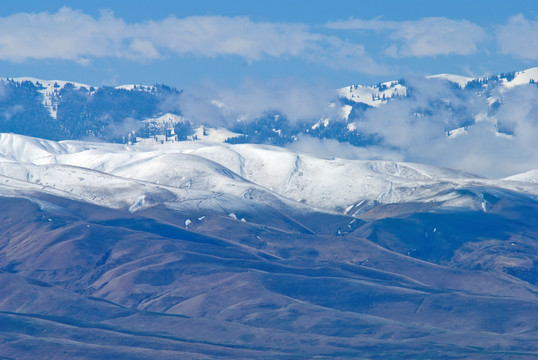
(337, 43)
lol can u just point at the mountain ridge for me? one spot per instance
(454, 117)
(181, 168)
(387, 89)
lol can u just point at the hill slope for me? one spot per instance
(203, 250)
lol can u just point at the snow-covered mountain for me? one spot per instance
(375, 95)
(151, 247)
(50, 90)
(69, 110)
(134, 177)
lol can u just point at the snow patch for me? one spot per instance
(457, 132)
(373, 95)
(218, 135)
(461, 81)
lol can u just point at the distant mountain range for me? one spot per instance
(59, 110)
(65, 110)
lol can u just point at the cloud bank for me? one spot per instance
(425, 37)
(73, 35)
(489, 143)
(293, 99)
(330, 148)
(519, 37)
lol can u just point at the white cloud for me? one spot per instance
(329, 148)
(415, 128)
(219, 106)
(425, 37)
(67, 34)
(219, 35)
(519, 37)
(74, 35)
(438, 36)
